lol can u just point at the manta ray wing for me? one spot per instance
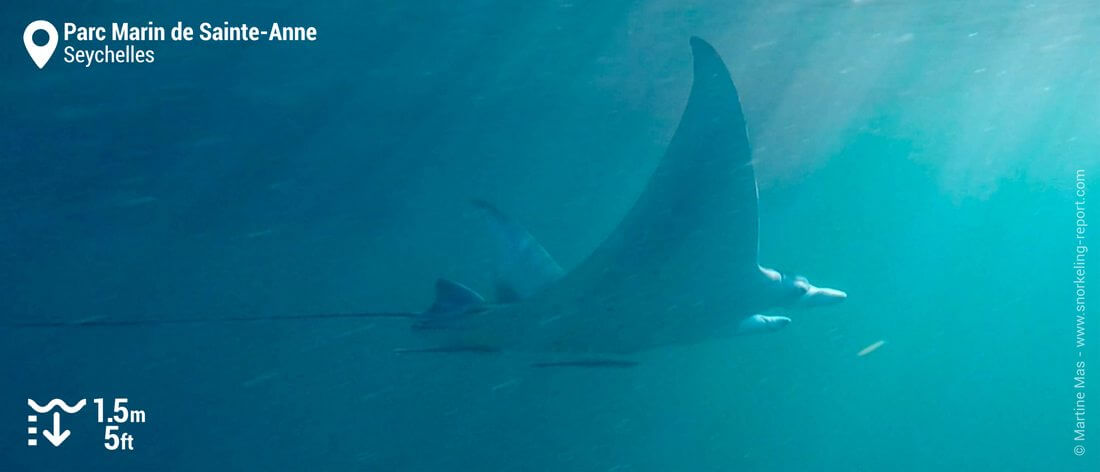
(681, 262)
(703, 193)
(693, 230)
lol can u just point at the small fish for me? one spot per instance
(871, 348)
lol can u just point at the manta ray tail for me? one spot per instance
(451, 297)
(522, 267)
(108, 322)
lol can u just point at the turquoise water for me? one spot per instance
(921, 156)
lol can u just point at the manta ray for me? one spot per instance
(680, 268)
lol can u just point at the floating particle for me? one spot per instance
(871, 348)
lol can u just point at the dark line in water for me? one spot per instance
(588, 363)
(182, 321)
(449, 350)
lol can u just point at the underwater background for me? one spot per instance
(919, 155)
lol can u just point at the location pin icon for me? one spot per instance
(40, 54)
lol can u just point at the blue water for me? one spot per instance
(919, 155)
